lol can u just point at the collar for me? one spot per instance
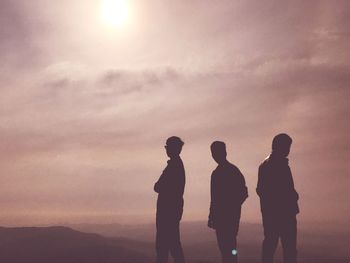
(174, 159)
(276, 158)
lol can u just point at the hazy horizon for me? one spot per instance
(136, 244)
(86, 105)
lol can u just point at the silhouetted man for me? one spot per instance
(170, 188)
(279, 202)
(228, 192)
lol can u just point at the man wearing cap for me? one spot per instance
(170, 188)
(279, 202)
(228, 192)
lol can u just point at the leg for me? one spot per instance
(175, 245)
(271, 237)
(162, 247)
(232, 247)
(234, 233)
(289, 240)
(227, 244)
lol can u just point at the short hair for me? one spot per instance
(174, 141)
(281, 139)
(218, 146)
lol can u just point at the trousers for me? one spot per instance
(280, 227)
(226, 227)
(168, 241)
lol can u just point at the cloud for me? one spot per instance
(20, 36)
(83, 124)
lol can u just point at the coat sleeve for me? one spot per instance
(266, 189)
(260, 187)
(244, 189)
(291, 182)
(160, 184)
(178, 181)
(172, 180)
(212, 199)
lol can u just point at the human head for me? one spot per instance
(281, 144)
(218, 151)
(173, 146)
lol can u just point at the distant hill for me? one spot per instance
(64, 245)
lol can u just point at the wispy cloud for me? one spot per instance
(84, 116)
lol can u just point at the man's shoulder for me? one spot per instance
(215, 171)
(233, 170)
(226, 169)
(176, 166)
(265, 163)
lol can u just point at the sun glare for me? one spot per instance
(115, 12)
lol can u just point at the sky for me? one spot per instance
(86, 106)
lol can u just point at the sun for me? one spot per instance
(115, 12)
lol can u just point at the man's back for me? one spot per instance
(228, 192)
(276, 187)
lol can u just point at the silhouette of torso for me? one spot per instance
(228, 192)
(170, 188)
(276, 188)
